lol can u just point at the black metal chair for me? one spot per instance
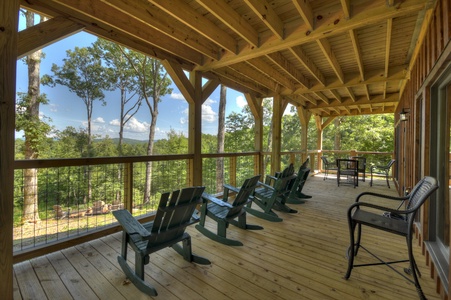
(381, 170)
(328, 166)
(362, 165)
(350, 169)
(397, 221)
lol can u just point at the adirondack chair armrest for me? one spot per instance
(270, 177)
(231, 188)
(208, 197)
(130, 224)
(265, 185)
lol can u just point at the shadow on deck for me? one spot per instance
(302, 257)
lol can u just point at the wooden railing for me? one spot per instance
(119, 183)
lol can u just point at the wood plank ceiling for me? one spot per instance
(332, 57)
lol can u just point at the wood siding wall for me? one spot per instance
(431, 59)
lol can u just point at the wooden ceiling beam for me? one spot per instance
(45, 33)
(242, 80)
(308, 64)
(367, 14)
(351, 93)
(346, 5)
(234, 85)
(308, 99)
(184, 13)
(376, 100)
(181, 80)
(322, 97)
(305, 10)
(228, 16)
(357, 53)
(264, 11)
(286, 66)
(377, 76)
(260, 79)
(324, 45)
(112, 26)
(367, 91)
(388, 45)
(336, 95)
(154, 17)
(265, 68)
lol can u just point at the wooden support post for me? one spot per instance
(195, 128)
(128, 186)
(257, 111)
(9, 11)
(276, 133)
(304, 117)
(319, 139)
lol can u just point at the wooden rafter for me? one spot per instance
(324, 45)
(373, 13)
(196, 21)
(358, 53)
(308, 64)
(305, 10)
(296, 75)
(232, 19)
(262, 9)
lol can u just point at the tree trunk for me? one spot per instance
(221, 137)
(30, 205)
(147, 187)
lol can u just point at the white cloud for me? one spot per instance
(133, 125)
(177, 96)
(209, 102)
(208, 115)
(241, 101)
(115, 122)
(98, 120)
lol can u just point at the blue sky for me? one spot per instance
(66, 109)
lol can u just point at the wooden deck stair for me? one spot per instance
(302, 257)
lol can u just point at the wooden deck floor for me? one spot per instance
(302, 257)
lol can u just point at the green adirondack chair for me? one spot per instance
(225, 213)
(295, 187)
(271, 194)
(174, 214)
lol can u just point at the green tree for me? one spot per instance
(115, 57)
(82, 73)
(154, 83)
(34, 128)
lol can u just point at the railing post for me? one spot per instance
(232, 170)
(128, 186)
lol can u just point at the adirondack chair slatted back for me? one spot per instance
(305, 164)
(243, 195)
(288, 171)
(174, 214)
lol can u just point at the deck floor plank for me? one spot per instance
(303, 257)
(49, 279)
(28, 282)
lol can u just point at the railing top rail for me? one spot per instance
(69, 162)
